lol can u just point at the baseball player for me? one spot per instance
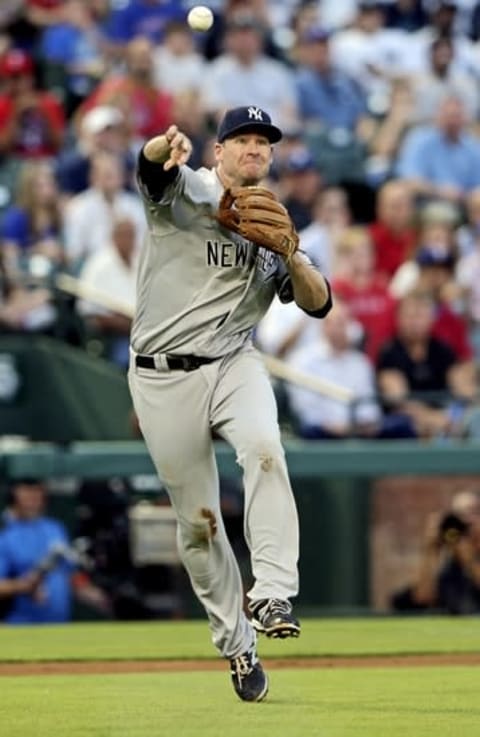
(202, 287)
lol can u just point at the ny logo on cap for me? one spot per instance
(255, 113)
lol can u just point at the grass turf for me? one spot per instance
(191, 639)
(424, 702)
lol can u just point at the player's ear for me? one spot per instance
(218, 151)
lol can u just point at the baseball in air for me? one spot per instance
(200, 18)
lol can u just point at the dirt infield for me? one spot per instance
(162, 666)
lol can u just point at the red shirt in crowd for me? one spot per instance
(452, 329)
(147, 109)
(391, 249)
(34, 126)
(373, 307)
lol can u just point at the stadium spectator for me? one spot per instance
(439, 80)
(443, 160)
(392, 232)
(435, 234)
(366, 295)
(327, 96)
(33, 224)
(436, 277)
(38, 568)
(111, 271)
(305, 16)
(102, 129)
(72, 53)
(178, 67)
(243, 74)
(89, 215)
(443, 22)
(331, 216)
(213, 42)
(371, 53)
(146, 108)
(285, 331)
(299, 184)
(32, 122)
(332, 358)
(432, 269)
(447, 578)
(419, 374)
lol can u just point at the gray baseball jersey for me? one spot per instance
(201, 289)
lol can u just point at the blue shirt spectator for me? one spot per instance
(22, 544)
(326, 94)
(34, 221)
(333, 99)
(26, 540)
(78, 52)
(143, 18)
(441, 160)
(16, 227)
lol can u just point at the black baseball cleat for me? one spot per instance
(248, 677)
(274, 618)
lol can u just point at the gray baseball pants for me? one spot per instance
(177, 412)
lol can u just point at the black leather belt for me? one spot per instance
(174, 363)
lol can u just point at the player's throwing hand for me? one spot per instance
(180, 148)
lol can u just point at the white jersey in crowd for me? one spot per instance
(201, 289)
(351, 369)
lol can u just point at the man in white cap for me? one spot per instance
(101, 129)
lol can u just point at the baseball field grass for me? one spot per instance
(380, 693)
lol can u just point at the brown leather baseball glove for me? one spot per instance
(256, 214)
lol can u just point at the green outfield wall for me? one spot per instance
(53, 392)
(333, 484)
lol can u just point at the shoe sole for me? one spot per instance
(280, 631)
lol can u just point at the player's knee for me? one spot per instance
(199, 531)
(265, 454)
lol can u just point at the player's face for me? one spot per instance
(244, 159)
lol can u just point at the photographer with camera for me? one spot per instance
(448, 577)
(39, 569)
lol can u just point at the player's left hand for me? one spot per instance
(180, 147)
(257, 215)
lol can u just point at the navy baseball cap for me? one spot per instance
(251, 118)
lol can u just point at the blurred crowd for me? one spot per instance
(379, 167)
